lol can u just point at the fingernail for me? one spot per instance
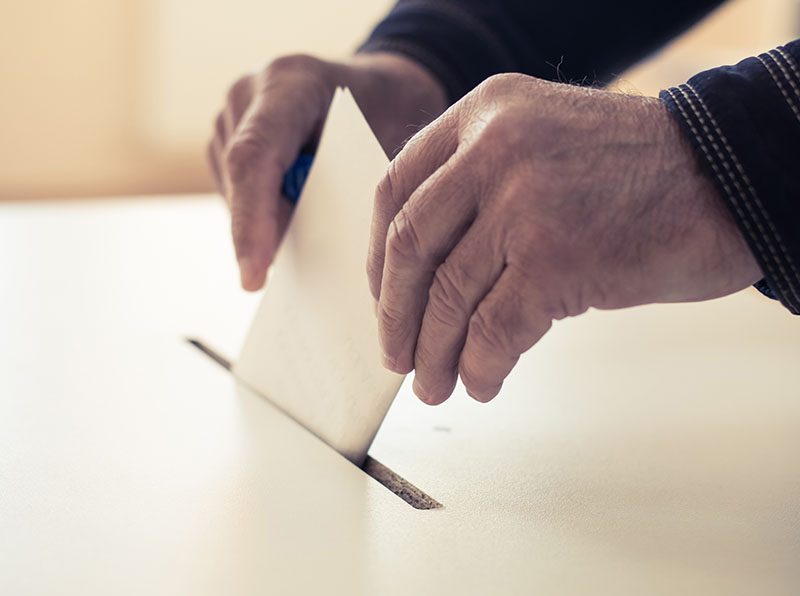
(247, 272)
(389, 362)
(421, 393)
(484, 397)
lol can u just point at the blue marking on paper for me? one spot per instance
(295, 178)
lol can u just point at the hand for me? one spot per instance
(270, 116)
(528, 202)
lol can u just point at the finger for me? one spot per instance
(460, 283)
(420, 236)
(253, 191)
(262, 150)
(239, 97)
(422, 156)
(507, 322)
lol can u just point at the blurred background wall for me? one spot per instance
(111, 97)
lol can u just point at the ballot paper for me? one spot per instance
(313, 347)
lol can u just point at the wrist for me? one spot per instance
(396, 95)
(723, 246)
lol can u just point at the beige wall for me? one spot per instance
(117, 96)
(107, 97)
(739, 29)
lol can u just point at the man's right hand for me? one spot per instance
(273, 114)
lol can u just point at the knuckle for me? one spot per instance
(447, 304)
(502, 82)
(386, 194)
(491, 84)
(310, 80)
(240, 89)
(503, 133)
(491, 330)
(292, 63)
(402, 241)
(383, 194)
(383, 191)
(504, 94)
(241, 156)
(392, 322)
(422, 139)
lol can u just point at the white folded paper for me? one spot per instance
(313, 347)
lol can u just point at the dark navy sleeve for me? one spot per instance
(462, 42)
(744, 123)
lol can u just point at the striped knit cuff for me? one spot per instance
(722, 111)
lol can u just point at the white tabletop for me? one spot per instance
(653, 450)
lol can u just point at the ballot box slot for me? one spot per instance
(398, 485)
(215, 356)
